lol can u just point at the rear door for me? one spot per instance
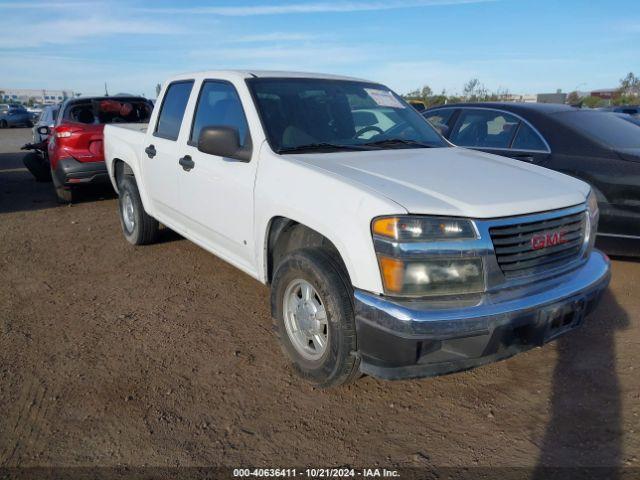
(217, 192)
(161, 151)
(501, 133)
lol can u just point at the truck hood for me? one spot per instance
(453, 181)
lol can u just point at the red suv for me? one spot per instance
(75, 152)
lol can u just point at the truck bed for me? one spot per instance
(138, 127)
(124, 141)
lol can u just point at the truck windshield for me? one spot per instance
(318, 115)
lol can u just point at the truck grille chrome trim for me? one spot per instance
(526, 247)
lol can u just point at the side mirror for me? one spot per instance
(223, 142)
(44, 130)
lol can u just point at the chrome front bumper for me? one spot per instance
(416, 338)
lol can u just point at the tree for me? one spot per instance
(628, 91)
(426, 93)
(573, 98)
(630, 85)
(474, 91)
(593, 102)
(158, 88)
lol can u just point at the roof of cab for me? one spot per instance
(243, 74)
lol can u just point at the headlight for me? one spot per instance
(431, 277)
(593, 216)
(432, 273)
(423, 229)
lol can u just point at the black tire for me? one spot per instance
(30, 124)
(63, 195)
(38, 167)
(339, 363)
(145, 227)
(3, 124)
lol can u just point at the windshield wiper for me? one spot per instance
(311, 147)
(390, 142)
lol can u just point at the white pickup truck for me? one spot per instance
(389, 251)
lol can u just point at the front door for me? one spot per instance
(217, 192)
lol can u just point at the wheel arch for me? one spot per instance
(285, 235)
(119, 169)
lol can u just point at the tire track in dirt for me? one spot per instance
(33, 410)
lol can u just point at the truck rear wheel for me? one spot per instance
(313, 317)
(138, 226)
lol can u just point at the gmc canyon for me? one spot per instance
(388, 251)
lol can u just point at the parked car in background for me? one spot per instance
(597, 147)
(395, 255)
(419, 105)
(15, 116)
(46, 118)
(628, 109)
(75, 151)
(37, 161)
(35, 110)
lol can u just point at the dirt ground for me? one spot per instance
(163, 355)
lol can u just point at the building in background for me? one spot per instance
(606, 93)
(43, 97)
(557, 97)
(519, 97)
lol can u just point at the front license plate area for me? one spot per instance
(563, 318)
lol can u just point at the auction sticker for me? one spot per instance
(384, 98)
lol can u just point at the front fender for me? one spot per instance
(338, 210)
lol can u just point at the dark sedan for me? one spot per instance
(597, 147)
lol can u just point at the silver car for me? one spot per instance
(46, 119)
(14, 116)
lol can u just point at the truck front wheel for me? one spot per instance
(313, 317)
(138, 226)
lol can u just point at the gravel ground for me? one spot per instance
(163, 355)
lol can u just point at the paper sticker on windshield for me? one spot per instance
(384, 98)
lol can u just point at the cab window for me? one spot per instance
(527, 139)
(174, 104)
(219, 106)
(484, 129)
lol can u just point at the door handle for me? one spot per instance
(187, 163)
(150, 151)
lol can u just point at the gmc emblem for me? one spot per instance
(548, 239)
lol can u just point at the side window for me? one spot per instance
(439, 117)
(484, 128)
(172, 110)
(219, 106)
(528, 139)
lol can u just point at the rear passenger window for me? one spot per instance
(172, 110)
(528, 139)
(219, 106)
(484, 129)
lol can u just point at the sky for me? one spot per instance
(524, 46)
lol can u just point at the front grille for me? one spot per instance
(514, 244)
